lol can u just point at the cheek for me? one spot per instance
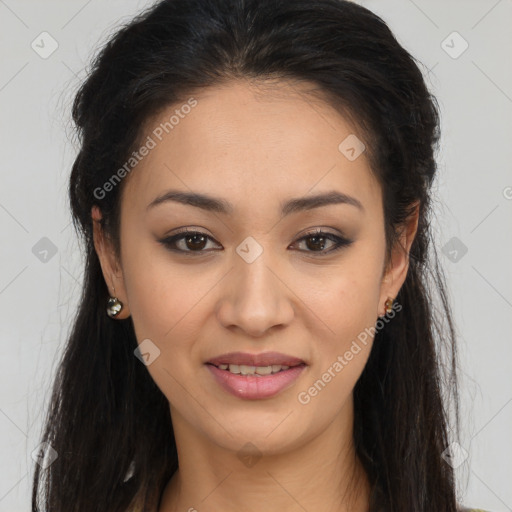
(344, 301)
(166, 300)
(346, 307)
(161, 305)
(166, 308)
(342, 349)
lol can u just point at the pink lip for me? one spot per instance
(262, 359)
(252, 387)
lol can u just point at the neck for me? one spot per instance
(323, 470)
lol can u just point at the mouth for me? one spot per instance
(255, 376)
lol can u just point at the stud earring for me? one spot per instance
(389, 305)
(114, 305)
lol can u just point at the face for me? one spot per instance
(260, 271)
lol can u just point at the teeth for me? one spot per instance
(247, 370)
(253, 370)
(264, 370)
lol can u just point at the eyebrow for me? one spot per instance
(218, 205)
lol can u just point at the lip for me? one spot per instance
(262, 359)
(250, 387)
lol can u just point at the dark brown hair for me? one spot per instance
(106, 411)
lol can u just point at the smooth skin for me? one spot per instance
(256, 147)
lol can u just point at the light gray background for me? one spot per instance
(38, 298)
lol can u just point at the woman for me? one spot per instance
(258, 328)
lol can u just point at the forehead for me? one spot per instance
(252, 143)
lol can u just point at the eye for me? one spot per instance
(188, 241)
(318, 240)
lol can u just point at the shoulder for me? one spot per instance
(471, 510)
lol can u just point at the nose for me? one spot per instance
(256, 298)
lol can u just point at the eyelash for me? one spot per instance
(341, 242)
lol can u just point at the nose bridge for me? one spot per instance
(257, 299)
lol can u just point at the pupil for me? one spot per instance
(195, 241)
(317, 239)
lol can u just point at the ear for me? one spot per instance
(110, 267)
(398, 265)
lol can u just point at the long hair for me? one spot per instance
(106, 416)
